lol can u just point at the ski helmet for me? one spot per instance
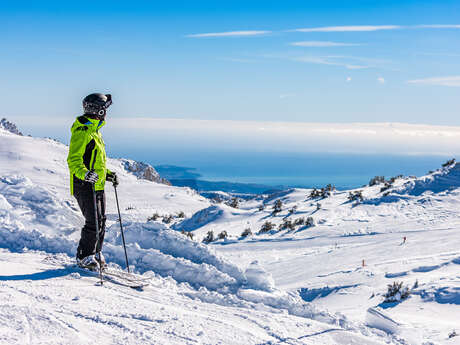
(97, 104)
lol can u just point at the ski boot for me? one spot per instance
(89, 262)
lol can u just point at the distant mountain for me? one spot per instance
(143, 171)
(187, 177)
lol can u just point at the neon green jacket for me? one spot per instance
(86, 147)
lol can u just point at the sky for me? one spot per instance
(336, 62)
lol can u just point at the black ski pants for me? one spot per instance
(83, 192)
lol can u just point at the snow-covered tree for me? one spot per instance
(209, 237)
(247, 232)
(278, 206)
(266, 227)
(396, 292)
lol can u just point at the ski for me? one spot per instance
(117, 277)
(132, 277)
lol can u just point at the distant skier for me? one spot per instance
(87, 150)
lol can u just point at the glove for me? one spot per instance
(91, 177)
(112, 177)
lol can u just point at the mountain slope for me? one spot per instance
(196, 295)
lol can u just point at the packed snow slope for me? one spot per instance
(297, 285)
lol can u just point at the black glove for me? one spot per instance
(112, 177)
(91, 177)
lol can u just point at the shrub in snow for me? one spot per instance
(376, 180)
(262, 207)
(223, 235)
(266, 227)
(9, 126)
(277, 207)
(310, 222)
(181, 214)
(318, 206)
(286, 225)
(217, 199)
(355, 196)
(299, 221)
(453, 334)
(209, 237)
(327, 191)
(396, 292)
(323, 192)
(293, 210)
(393, 179)
(234, 202)
(188, 234)
(247, 232)
(129, 208)
(449, 162)
(168, 219)
(315, 193)
(386, 187)
(153, 218)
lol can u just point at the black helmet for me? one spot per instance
(96, 104)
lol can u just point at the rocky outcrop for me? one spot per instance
(143, 171)
(9, 126)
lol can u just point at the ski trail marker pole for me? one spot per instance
(96, 218)
(121, 227)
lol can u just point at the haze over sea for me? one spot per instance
(273, 153)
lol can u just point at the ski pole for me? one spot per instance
(121, 227)
(96, 218)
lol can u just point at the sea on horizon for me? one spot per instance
(309, 170)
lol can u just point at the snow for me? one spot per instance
(323, 284)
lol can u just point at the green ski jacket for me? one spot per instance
(86, 147)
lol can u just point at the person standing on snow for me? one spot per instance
(87, 152)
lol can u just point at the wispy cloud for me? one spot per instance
(453, 81)
(439, 26)
(322, 44)
(231, 34)
(348, 79)
(331, 61)
(345, 28)
(287, 95)
(381, 80)
(351, 28)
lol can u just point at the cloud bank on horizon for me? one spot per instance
(372, 138)
(367, 138)
(188, 136)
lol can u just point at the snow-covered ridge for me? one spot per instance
(144, 171)
(9, 126)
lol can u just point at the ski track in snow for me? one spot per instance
(285, 287)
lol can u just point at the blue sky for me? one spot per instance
(290, 61)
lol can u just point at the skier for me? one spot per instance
(87, 152)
